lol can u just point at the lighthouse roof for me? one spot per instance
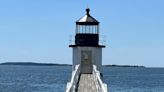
(87, 19)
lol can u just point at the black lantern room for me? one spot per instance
(87, 31)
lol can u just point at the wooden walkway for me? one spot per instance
(86, 83)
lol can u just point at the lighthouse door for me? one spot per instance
(86, 62)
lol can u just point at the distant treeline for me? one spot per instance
(123, 66)
(32, 63)
(52, 64)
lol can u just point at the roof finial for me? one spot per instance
(87, 10)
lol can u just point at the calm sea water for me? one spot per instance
(54, 78)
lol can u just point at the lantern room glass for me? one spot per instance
(87, 29)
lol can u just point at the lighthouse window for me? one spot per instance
(82, 31)
(78, 28)
(96, 29)
(93, 29)
(90, 29)
(86, 29)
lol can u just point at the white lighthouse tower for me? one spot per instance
(87, 57)
(87, 51)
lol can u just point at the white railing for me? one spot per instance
(71, 40)
(72, 85)
(102, 40)
(101, 87)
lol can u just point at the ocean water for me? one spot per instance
(14, 78)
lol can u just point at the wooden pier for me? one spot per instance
(86, 83)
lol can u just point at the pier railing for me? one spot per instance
(101, 87)
(72, 85)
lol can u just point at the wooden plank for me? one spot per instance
(86, 83)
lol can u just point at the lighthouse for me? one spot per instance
(86, 48)
(87, 57)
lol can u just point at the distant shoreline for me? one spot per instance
(123, 66)
(52, 64)
(33, 64)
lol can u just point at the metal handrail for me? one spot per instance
(101, 87)
(71, 86)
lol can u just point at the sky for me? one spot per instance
(39, 30)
